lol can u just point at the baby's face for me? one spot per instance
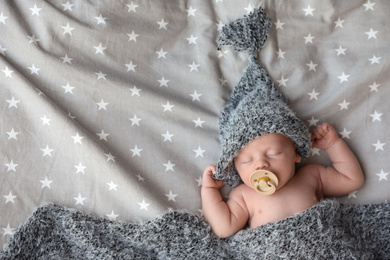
(272, 152)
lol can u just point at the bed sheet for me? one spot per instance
(111, 107)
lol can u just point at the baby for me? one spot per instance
(295, 191)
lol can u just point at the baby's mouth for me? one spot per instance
(264, 182)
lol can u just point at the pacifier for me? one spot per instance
(264, 182)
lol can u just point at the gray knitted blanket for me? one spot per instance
(329, 230)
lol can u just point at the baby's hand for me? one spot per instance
(324, 136)
(208, 181)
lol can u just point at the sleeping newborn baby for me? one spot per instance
(272, 158)
(262, 139)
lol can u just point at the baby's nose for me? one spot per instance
(262, 164)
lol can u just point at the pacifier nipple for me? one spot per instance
(264, 182)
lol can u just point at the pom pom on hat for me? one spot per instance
(256, 107)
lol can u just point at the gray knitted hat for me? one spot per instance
(256, 107)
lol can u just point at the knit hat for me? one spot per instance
(256, 107)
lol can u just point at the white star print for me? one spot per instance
(130, 66)
(199, 181)
(279, 25)
(68, 6)
(13, 102)
(66, 59)
(220, 25)
(79, 200)
(34, 70)
(374, 87)
(379, 146)
(100, 19)
(11, 166)
(100, 49)
(369, 6)
(101, 75)
(223, 81)
(112, 186)
(193, 66)
(167, 136)
(68, 88)
(222, 53)
(8, 231)
(352, 194)
(136, 151)
(112, 216)
(371, 34)
(161, 54)
(133, 36)
(282, 82)
(343, 77)
(192, 40)
(199, 152)
(198, 122)
(163, 82)
(312, 66)
(376, 116)
(67, 29)
(375, 59)
(8, 72)
(168, 107)
(344, 105)
(80, 168)
(2, 50)
(3, 18)
(144, 205)
(249, 9)
(339, 23)
(382, 175)
(102, 135)
(309, 39)
(315, 151)
(162, 24)
(46, 183)
(102, 105)
(309, 11)
(140, 178)
(340, 51)
(195, 96)
(110, 157)
(135, 120)
(46, 121)
(33, 39)
(169, 166)
(313, 95)
(35, 10)
(12, 134)
(190, 11)
(47, 151)
(10, 198)
(313, 121)
(345, 134)
(280, 54)
(171, 196)
(135, 91)
(131, 7)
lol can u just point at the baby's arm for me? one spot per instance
(346, 174)
(225, 218)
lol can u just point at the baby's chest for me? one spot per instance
(264, 209)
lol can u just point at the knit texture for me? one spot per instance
(256, 107)
(328, 230)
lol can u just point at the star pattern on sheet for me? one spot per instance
(101, 106)
(343, 77)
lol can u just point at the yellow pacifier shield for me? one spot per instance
(264, 182)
